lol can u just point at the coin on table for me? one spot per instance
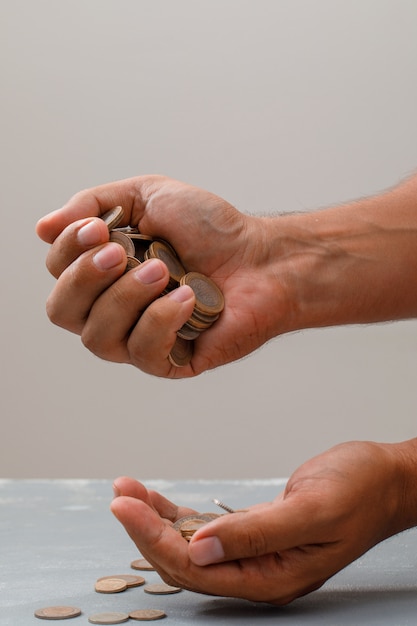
(113, 217)
(147, 615)
(142, 564)
(110, 585)
(111, 617)
(181, 352)
(58, 612)
(130, 579)
(161, 588)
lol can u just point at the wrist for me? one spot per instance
(406, 456)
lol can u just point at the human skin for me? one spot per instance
(334, 508)
(354, 263)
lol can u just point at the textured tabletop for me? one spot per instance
(58, 537)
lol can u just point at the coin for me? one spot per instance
(110, 585)
(129, 579)
(124, 241)
(204, 517)
(131, 262)
(147, 615)
(108, 618)
(164, 252)
(209, 298)
(113, 217)
(181, 352)
(57, 612)
(161, 589)
(142, 564)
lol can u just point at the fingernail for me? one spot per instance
(109, 256)
(181, 294)
(207, 550)
(89, 234)
(150, 272)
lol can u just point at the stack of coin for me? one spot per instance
(189, 524)
(209, 300)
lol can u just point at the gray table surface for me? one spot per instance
(58, 537)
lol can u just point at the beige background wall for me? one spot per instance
(275, 105)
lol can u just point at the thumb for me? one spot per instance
(264, 529)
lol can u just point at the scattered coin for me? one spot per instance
(108, 618)
(110, 585)
(161, 589)
(147, 615)
(130, 579)
(57, 612)
(142, 564)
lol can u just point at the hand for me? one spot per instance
(120, 316)
(334, 508)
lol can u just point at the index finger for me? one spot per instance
(129, 193)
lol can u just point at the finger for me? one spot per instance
(125, 486)
(81, 283)
(167, 550)
(89, 203)
(113, 315)
(268, 529)
(132, 194)
(76, 239)
(152, 339)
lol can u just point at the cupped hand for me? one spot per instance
(120, 316)
(334, 508)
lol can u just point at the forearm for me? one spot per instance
(355, 263)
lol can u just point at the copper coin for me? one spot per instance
(131, 262)
(110, 585)
(181, 352)
(108, 618)
(147, 615)
(57, 612)
(142, 564)
(113, 217)
(130, 579)
(161, 589)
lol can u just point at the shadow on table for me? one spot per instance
(355, 606)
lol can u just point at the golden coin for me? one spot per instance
(161, 589)
(147, 615)
(181, 352)
(130, 579)
(142, 564)
(209, 298)
(124, 241)
(57, 612)
(110, 585)
(113, 217)
(108, 618)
